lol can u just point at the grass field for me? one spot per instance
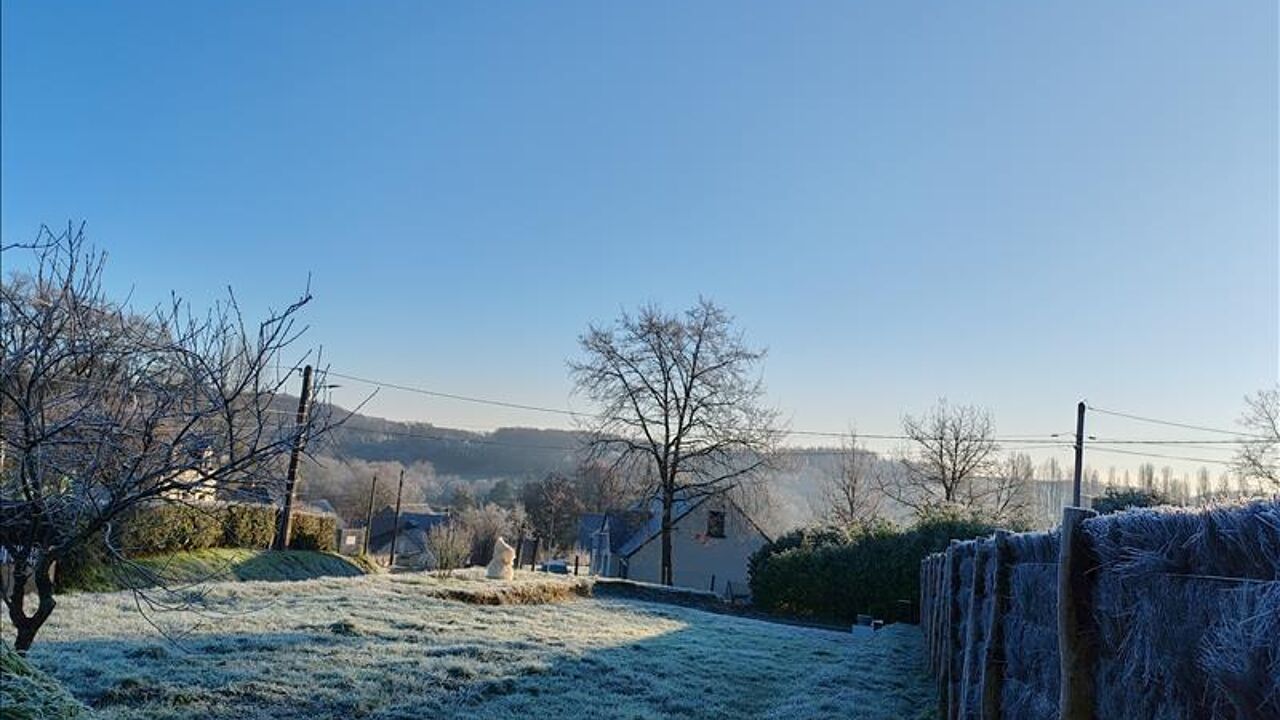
(394, 646)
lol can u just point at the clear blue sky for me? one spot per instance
(1011, 204)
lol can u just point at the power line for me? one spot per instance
(1025, 438)
(1224, 444)
(463, 398)
(1157, 421)
(1215, 461)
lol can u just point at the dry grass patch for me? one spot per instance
(471, 586)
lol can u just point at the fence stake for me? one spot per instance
(1077, 643)
(993, 663)
(575, 565)
(971, 665)
(952, 626)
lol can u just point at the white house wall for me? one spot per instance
(695, 558)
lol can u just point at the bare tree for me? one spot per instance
(450, 545)
(103, 410)
(1204, 484)
(1259, 454)
(601, 487)
(552, 506)
(1008, 495)
(678, 395)
(851, 495)
(953, 451)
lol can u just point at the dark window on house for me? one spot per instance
(715, 523)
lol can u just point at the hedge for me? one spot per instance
(314, 532)
(833, 577)
(165, 528)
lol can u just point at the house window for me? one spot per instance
(715, 523)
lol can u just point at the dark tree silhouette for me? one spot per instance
(679, 399)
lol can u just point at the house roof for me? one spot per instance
(319, 505)
(653, 528)
(621, 524)
(653, 524)
(412, 541)
(416, 517)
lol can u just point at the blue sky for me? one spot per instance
(1016, 205)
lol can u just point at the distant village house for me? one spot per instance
(711, 541)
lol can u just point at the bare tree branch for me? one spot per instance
(103, 410)
(679, 403)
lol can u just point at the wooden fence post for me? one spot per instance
(952, 629)
(927, 607)
(971, 664)
(939, 614)
(1077, 635)
(993, 663)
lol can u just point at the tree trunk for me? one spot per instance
(27, 627)
(668, 499)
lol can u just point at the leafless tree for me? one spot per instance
(952, 451)
(1259, 454)
(851, 494)
(450, 545)
(103, 409)
(677, 395)
(602, 488)
(552, 506)
(486, 524)
(1008, 496)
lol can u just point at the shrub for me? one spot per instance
(450, 544)
(85, 568)
(249, 526)
(816, 575)
(485, 526)
(314, 532)
(1118, 499)
(164, 528)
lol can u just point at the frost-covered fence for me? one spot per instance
(1148, 613)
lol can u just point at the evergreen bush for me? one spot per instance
(832, 576)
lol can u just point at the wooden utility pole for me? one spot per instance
(395, 529)
(368, 518)
(1075, 486)
(285, 527)
(1077, 631)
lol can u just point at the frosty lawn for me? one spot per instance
(385, 647)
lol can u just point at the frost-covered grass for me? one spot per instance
(243, 564)
(388, 646)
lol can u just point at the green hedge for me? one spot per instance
(170, 528)
(166, 528)
(831, 576)
(249, 526)
(314, 532)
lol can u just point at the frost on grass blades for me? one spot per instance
(382, 647)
